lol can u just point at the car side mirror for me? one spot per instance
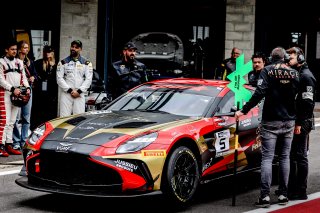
(234, 109)
(231, 113)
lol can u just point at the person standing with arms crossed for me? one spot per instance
(74, 77)
(278, 84)
(299, 166)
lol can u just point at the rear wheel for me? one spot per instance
(182, 176)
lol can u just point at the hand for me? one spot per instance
(17, 92)
(297, 130)
(28, 92)
(31, 79)
(238, 114)
(75, 94)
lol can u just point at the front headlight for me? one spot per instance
(36, 134)
(137, 144)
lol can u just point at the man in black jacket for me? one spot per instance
(127, 72)
(227, 66)
(304, 124)
(278, 84)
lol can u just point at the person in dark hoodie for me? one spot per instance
(304, 124)
(278, 84)
(127, 72)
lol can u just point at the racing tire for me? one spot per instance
(181, 178)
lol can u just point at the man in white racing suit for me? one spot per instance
(74, 77)
(12, 75)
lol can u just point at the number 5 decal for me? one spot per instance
(222, 140)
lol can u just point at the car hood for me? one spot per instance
(101, 127)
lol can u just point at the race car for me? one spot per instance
(166, 136)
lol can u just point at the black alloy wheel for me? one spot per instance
(182, 177)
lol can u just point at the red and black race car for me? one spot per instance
(166, 136)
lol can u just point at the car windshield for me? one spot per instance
(177, 99)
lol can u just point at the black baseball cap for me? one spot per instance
(77, 42)
(48, 49)
(130, 45)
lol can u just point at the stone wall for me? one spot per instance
(240, 27)
(79, 21)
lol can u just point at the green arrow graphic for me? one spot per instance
(237, 81)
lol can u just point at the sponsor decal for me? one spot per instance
(207, 165)
(284, 81)
(283, 73)
(246, 122)
(307, 95)
(220, 154)
(309, 89)
(64, 147)
(126, 165)
(71, 138)
(96, 124)
(153, 153)
(98, 112)
(86, 127)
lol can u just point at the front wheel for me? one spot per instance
(182, 176)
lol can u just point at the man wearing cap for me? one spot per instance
(127, 72)
(74, 77)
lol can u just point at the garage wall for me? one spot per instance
(240, 26)
(79, 21)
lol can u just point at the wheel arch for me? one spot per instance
(187, 142)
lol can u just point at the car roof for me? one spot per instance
(195, 81)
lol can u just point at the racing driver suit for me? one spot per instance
(12, 75)
(73, 75)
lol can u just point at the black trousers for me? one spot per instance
(299, 166)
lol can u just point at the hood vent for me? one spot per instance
(133, 124)
(75, 121)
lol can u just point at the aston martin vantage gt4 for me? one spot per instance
(166, 136)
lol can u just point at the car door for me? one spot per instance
(248, 141)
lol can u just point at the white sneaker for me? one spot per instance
(16, 147)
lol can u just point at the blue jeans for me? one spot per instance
(273, 132)
(20, 137)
